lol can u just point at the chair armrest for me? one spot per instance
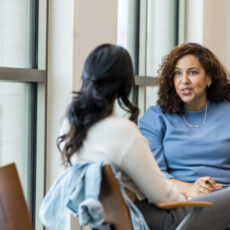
(184, 204)
(196, 206)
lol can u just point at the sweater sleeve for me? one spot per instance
(139, 164)
(152, 127)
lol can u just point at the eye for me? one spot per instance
(193, 72)
(177, 73)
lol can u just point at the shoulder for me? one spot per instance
(117, 125)
(154, 121)
(222, 106)
(155, 109)
(153, 114)
(115, 133)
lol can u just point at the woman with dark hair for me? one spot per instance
(189, 130)
(107, 75)
(94, 133)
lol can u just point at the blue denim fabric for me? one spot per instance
(78, 189)
(83, 202)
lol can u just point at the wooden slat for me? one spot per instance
(184, 204)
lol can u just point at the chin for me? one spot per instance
(186, 101)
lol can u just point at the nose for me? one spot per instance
(185, 78)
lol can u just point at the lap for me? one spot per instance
(157, 218)
(216, 217)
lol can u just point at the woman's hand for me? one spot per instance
(202, 186)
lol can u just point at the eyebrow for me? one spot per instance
(191, 68)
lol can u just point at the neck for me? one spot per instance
(196, 107)
(197, 125)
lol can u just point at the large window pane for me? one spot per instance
(23, 40)
(128, 26)
(16, 22)
(15, 117)
(17, 45)
(151, 95)
(161, 32)
(156, 27)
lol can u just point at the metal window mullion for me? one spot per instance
(140, 80)
(146, 81)
(143, 37)
(41, 105)
(181, 22)
(22, 75)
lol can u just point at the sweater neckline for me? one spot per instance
(191, 112)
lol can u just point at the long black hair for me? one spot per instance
(107, 75)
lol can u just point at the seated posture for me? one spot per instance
(189, 129)
(94, 134)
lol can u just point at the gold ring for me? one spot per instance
(202, 189)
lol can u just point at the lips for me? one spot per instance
(186, 91)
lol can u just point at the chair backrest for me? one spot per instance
(14, 214)
(115, 207)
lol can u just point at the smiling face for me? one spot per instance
(190, 82)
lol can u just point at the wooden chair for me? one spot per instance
(14, 214)
(116, 211)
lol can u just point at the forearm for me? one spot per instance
(183, 187)
(139, 165)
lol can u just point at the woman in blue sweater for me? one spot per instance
(189, 129)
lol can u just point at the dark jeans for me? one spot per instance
(216, 217)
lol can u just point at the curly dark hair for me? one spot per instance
(218, 91)
(107, 75)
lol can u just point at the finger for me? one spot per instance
(218, 186)
(209, 180)
(204, 182)
(207, 185)
(203, 190)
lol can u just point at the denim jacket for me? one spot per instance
(78, 189)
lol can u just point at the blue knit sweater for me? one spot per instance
(187, 153)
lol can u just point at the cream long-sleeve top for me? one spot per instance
(119, 140)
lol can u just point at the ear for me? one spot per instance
(209, 82)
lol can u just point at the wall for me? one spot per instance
(208, 23)
(75, 28)
(217, 29)
(95, 22)
(60, 72)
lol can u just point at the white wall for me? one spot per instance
(95, 22)
(60, 72)
(208, 23)
(75, 28)
(217, 29)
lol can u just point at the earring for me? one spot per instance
(209, 86)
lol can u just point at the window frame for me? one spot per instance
(37, 77)
(142, 81)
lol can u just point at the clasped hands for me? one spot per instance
(202, 186)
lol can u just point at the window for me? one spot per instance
(22, 90)
(149, 29)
